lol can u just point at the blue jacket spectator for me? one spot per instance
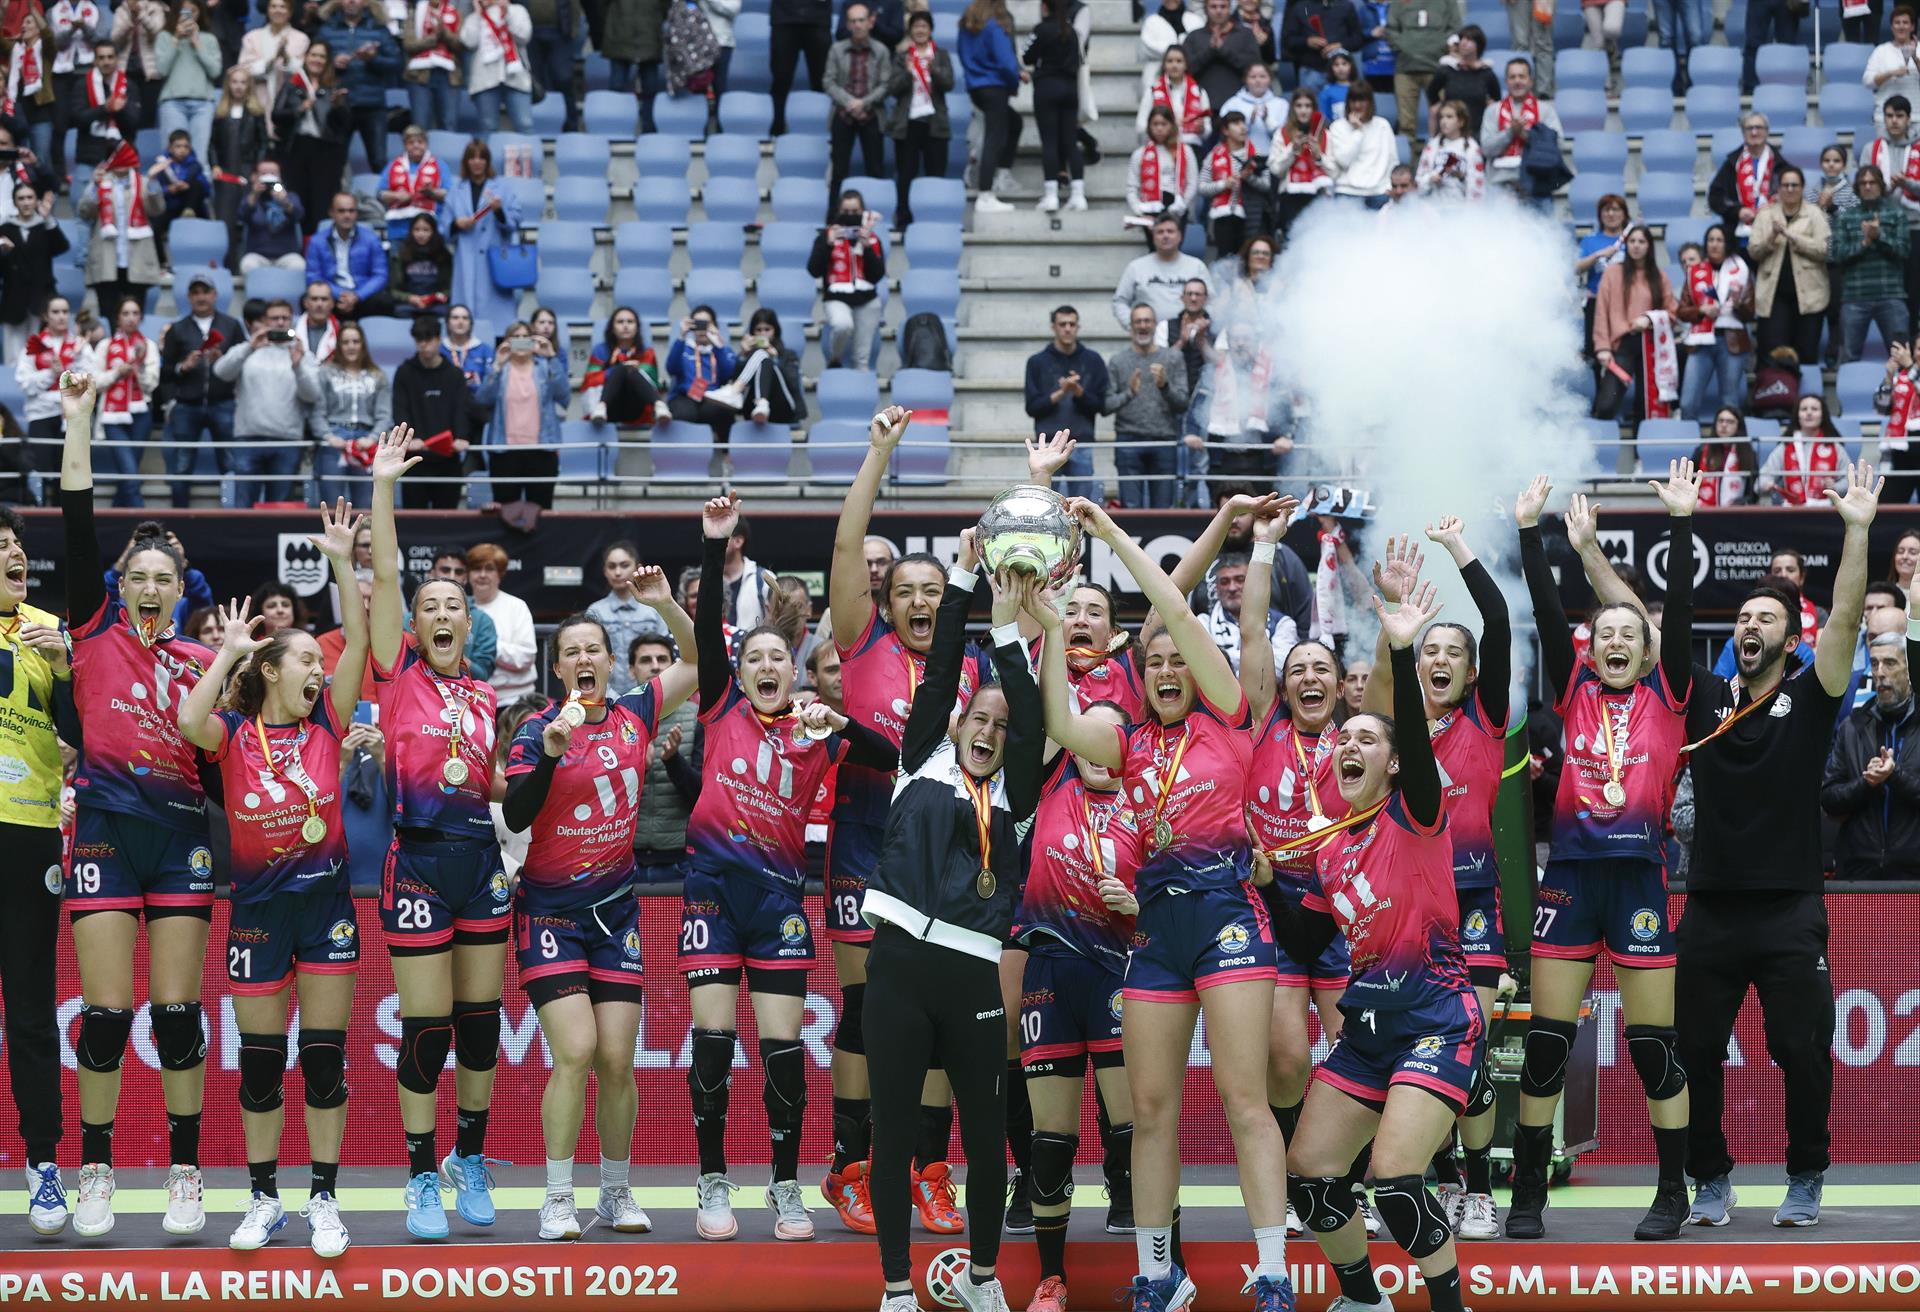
(988, 59)
(720, 365)
(550, 383)
(366, 271)
(195, 190)
(366, 80)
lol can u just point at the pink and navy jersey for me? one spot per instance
(761, 779)
(1388, 884)
(1278, 806)
(133, 758)
(1471, 751)
(1077, 836)
(1112, 680)
(879, 675)
(1648, 728)
(266, 808)
(580, 848)
(416, 716)
(1205, 799)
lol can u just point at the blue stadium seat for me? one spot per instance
(1811, 380)
(193, 242)
(787, 245)
(809, 112)
(923, 454)
(1604, 435)
(800, 200)
(1712, 105)
(1778, 64)
(937, 200)
(638, 245)
(648, 291)
(680, 116)
(1640, 66)
(567, 243)
(447, 147)
(733, 157)
(549, 115)
(731, 200)
(582, 154)
(1586, 189)
(933, 245)
(1665, 196)
(852, 394)
(568, 292)
(1853, 427)
(724, 289)
(798, 155)
(836, 448)
(1580, 70)
(931, 291)
(1600, 152)
(1662, 440)
(389, 341)
(1843, 61)
(1582, 111)
(614, 115)
(762, 453)
(1680, 231)
(1805, 143)
(531, 193)
(580, 200)
(1855, 386)
(660, 157)
(715, 244)
(1715, 66)
(681, 452)
(583, 453)
(663, 201)
(877, 192)
(1723, 143)
(752, 66)
(1667, 151)
(1847, 107)
(789, 293)
(1784, 106)
(746, 113)
(1646, 109)
(928, 391)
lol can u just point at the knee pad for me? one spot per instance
(1324, 1202)
(1052, 1181)
(710, 1074)
(785, 1091)
(476, 1034)
(1543, 1070)
(103, 1037)
(848, 1036)
(263, 1071)
(424, 1044)
(178, 1039)
(1411, 1215)
(323, 1065)
(1481, 1097)
(1652, 1048)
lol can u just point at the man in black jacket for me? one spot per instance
(105, 109)
(202, 403)
(1066, 387)
(430, 393)
(1219, 55)
(1872, 785)
(1312, 30)
(798, 27)
(1748, 179)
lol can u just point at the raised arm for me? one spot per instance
(198, 723)
(86, 586)
(1419, 773)
(1680, 494)
(1833, 652)
(1549, 616)
(678, 680)
(1583, 535)
(1257, 674)
(338, 526)
(933, 704)
(1395, 574)
(1496, 625)
(717, 522)
(1089, 739)
(1026, 734)
(1192, 567)
(848, 595)
(387, 621)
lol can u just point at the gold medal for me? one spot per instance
(1315, 823)
(454, 771)
(1162, 835)
(1615, 793)
(985, 884)
(819, 732)
(574, 714)
(313, 831)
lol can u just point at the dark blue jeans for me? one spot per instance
(1147, 466)
(553, 58)
(1767, 20)
(188, 423)
(272, 463)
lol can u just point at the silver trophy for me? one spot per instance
(1027, 528)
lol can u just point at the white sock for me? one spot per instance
(559, 1175)
(613, 1174)
(1154, 1244)
(1271, 1242)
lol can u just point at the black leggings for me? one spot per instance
(628, 394)
(28, 933)
(1001, 139)
(788, 41)
(919, 153)
(509, 464)
(931, 1006)
(1056, 108)
(718, 417)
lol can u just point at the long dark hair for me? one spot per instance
(1648, 268)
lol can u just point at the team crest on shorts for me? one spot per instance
(200, 862)
(1233, 939)
(1475, 925)
(793, 930)
(1115, 1003)
(1646, 924)
(54, 879)
(1428, 1047)
(340, 933)
(500, 886)
(631, 945)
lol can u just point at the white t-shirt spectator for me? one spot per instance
(1887, 57)
(1361, 159)
(514, 674)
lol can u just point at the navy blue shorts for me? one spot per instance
(444, 891)
(728, 922)
(1329, 970)
(1483, 934)
(1199, 940)
(314, 932)
(595, 951)
(1437, 1044)
(124, 863)
(1619, 905)
(1069, 1007)
(853, 850)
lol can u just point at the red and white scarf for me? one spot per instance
(439, 55)
(1660, 365)
(1754, 182)
(1529, 111)
(1880, 155)
(847, 269)
(1473, 165)
(55, 354)
(404, 175)
(1151, 187)
(1305, 174)
(137, 226)
(98, 95)
(1903, 415)
(1222, 165)
(1192, 109)
(125, 397)
(921, 66)
(1329, 610)
(329, 340)
(502, 34)
(24, 76)
(80, 17)
(1229, 414)
(1808, 469)
(1719, 292)
(1727, 485)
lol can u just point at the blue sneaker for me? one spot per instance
(1713, 1201)
(472, 1185)
(1173, 1294)
(426, 1217)
(1270, 1295)
(47, 1213)
(1802, 1204)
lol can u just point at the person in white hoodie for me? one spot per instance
(48, 354)
(1265, 111)
(497, 33)
(1162, 176)
(1360, 150)
(720, 15)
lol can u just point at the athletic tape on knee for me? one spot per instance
(1412, 1215)
(103, 1038)
(848, 1036)
(424, 1044)
(1053, 1154)
(1656, 1059)
(263, 1071)
(476, 1034)
(323, 1065)
(1325, 1202)
(1482, 1096)
(710, 1073)
(785, 1090)
(178, 1039)
(1543, 1070)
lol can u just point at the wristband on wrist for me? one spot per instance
(1262, 553)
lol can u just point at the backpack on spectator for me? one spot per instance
(923, 344)
(692, 49)
(1776, 385)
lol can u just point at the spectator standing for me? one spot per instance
(49, 352)
(1054, 55)
(1166, 27)
(1255, 17)
(697, 362)
(29, 243)
(348, 258)
(1870, 248)
(105, 107)
(1715, 301)
(126, 373)
(1530, 37)
(633, 43)
(430, 40)
(1872, 784)
(1748, 177)
(767, 384)
(480, 215)
(1465, 78)
(1343, 73)
(1360, 150)
(524, 395)
(1893, 153)
(1600, 250)
(1265, 111)
(1066, 388)
(889, 20)
(190, 64)
(1606, 19)
(1452, 165)
(137, 26)
(625, 617)
(556, 39)
(274, 50)
(798, 27)
(1420, 33)
(473, 355)
(355, 407)
(1147, 397)
(1313, 30)
(202, 400)
(1191, 332)
(1175, 89)
(274, 379)
(622, 382)
(1232, 170)
(1300, 166)
(28, 70)
(77, 26)
(1241, 421)
(420, 275)
(1162, 177)
(235, 147)
(1893, 69)
(497, 33)
(430, 395)
(918, 122)
(858, 72)
(312, 120)
(993, 74)
(1789, 244)
(123, 258)
(1504, 133)
(270, 220)
(1768, 21)
(851, 263)
(367, 61)
(1157, 278)
(1628, 293)
(1219, 54)
(413, 185)
(515, 672)
(317, 328)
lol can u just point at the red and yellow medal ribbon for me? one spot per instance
(1319, 837)
(1170, 776)
(981, 793)
(1730, 721)
(1306, 774)
(1094, 854)
(304, 782)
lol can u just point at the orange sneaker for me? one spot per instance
(1050, 1297)
(847, 1191)
(934, 1194)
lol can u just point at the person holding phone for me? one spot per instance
(274, 380)
(850, 260)
(525, 393)
(768, 381)
(697, 363)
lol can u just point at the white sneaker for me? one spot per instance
(597, 415)
(1453, 1204)
(899, 1303)
(988, 203)
(1077, 196)
(1371, 1217)
(730, 395)
(617, 1208)
(762, 411)
(988, 1297)
(47, 1212)
(1478, 1218)
(1004, 183)
(715, 1218)
(93, 1215)
(1049, 198)
(558, 1219)
(662, 415)
(1345, 1304)
(1294, 1228)
(186, 1212)
(325, 1231)
(790, 1213)
(262, 1222)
